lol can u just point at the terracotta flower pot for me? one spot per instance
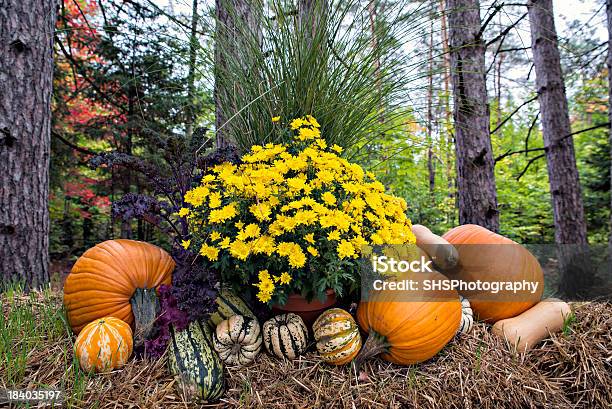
(309, 311)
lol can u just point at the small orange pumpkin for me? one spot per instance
(409, 328)
(488, 256)
(104, 345)
(105, 279)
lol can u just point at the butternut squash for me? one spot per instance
(443, 254)
(532, 326)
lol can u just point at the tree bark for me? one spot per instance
(448, 140)
(231, 17)
(193, 48)
(477, 197)
(609, 14)
(310, 13)
(26, 80)
(430, 156)
(568, 212)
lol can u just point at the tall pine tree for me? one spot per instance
(26, 46)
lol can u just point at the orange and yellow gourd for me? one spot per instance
(104, 344)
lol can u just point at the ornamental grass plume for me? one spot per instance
(291, 218)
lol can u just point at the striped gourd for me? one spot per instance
(285, 336)
(228, 304)
(337, 336)
(237, 340)
(104, 344)
(194, 362)
(467, 317)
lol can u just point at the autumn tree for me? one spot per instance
(26, 46)
(477, 197)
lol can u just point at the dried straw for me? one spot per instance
(473, 371)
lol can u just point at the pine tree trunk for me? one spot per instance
(193, 48)
(26, 81)
(430, 156)
(568, 212)
(477, 197)
(609, 13)
(448, 143)
(231, 16)
(310, 13)
(575, 267)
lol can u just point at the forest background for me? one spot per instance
(129, 73)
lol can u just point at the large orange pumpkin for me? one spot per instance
(488, 256)
(409, 327)
(112, 278)
(104, 344)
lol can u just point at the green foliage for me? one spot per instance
(31, 324)
(523, 196)
(400, 163)
(590, 108)
(568, 323)
(30, 321)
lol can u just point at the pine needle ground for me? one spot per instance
(571, 369)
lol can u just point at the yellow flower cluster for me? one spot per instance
(292, 205)
(267, 284)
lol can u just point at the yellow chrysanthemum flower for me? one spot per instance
(215, 200)
(266, 286)
(240, 249)
(183, 212)
(196, 196)
(209, 252)
(185, 244)
(225, 243)
(264, 296)
(298, 122)
(333, 235)
(261, 211)
(336, 148)
(345, 249)
(275, 119)
(225, 213)
(297, 259)
(285, 278)
(312, 121)
(329, 198)
(263, 275)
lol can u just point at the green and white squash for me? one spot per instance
(467, 317)
(285, 336)
(337, 336)
(194, 363)
(237, 340)
(228, 304)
